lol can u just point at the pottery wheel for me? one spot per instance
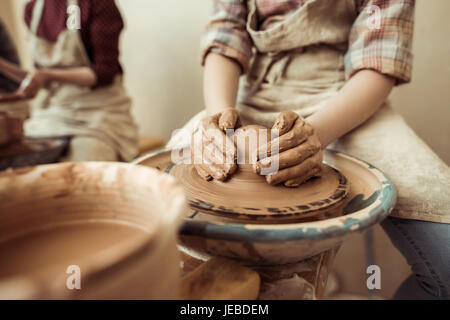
(244, 197)
(247, 196)
(32, 151)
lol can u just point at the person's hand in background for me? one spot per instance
(213, 152)
(299, 152)
(32, 84)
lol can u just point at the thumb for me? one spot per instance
(228, 119)
(285, 121)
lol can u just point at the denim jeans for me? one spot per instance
(426, 247)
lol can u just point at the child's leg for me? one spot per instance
(425, 246)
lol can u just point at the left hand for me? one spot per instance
(299, 152)
(32, 84)
(215, 156)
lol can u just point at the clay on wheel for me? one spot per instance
(247, 195)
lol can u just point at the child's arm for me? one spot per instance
(300, 143)
(220, 83)
(226, 51)
(36, 80)
(357, 101)
(221, 79)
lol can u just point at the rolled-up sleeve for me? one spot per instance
(381, 39)
(226, 33)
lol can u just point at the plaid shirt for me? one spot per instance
(386, 49)
(9, 53)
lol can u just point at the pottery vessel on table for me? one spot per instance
(117, 223)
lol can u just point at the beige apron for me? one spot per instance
(98, 115)
(298, 65)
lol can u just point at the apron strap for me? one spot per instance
(36, 16)
(271, 57)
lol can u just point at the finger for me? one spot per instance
(203, 173)
(316, 172)
(213, 154)
(214, 171)
(290, 157)
(296, 136)
(296, 172)
(228, 119)
(213, 133)
(227, 167)
(285, 121)
(208, 154)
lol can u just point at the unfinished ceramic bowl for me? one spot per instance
(113, 225)
(371, 198)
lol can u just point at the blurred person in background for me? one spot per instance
(77, 81)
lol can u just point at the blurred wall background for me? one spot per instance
(160, 55)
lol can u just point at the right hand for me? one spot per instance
(213, 152)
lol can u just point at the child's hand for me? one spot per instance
(213, 152)
(300, 156)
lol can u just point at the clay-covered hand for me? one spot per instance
(297, 150)
(213, 151)
(11, 129)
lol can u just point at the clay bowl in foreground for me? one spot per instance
(116, 222)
